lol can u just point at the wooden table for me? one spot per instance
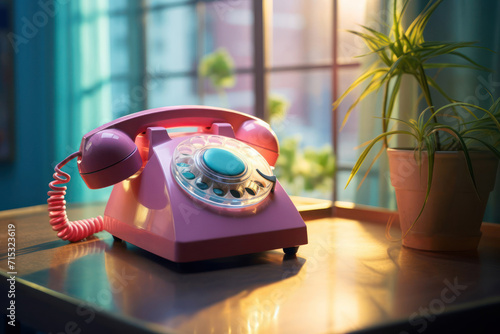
(348, 278)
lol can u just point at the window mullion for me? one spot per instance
(261, 12)
(335, 82)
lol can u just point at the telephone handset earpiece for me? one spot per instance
(108, 157)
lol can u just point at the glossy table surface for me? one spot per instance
(349, 277)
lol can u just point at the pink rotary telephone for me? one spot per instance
(184, 196)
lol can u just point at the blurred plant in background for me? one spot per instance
(218, 66)
(277, 106)
(307, 171)
(302, 171)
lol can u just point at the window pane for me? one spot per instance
(351, 16)
(172, 91)
(117, 5)
(368, 194)
(301, 32)
(172, 38)
(240, 97)
(348, 138)
(228, 25)
(305, 166)
(360, 127)
(118, 47)
(120, 98)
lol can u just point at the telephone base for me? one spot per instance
(181, 252)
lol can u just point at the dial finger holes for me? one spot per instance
(235, 193)
(219, 189)
(215, 140)
(219, 192)
(233, 144)
(198, 141)
(258, 184)
(186, 150)
(221, 171)
(202, 183)
(252, 188)
(250, 191)
(188, 175)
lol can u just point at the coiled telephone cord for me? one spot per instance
(68, 230)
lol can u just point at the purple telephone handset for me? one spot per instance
(185, 196)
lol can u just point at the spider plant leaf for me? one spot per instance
(481, 129)
(420, 122)
(395, 67)
(434, 85)
(489, 146)
(394, 94)
(447, 65)
(416, 29)
(385, 121)
(381, 54)
(395, 18)
(488, 113)
(430, 171)
(368, 38)
(379, 153)
(377, 156)
(388, 103)
(369, 73)
(461, 55)
(468, 161)
(377, 34)
(445, 49)
(374, 85)
(367, 150)
(382, 48)
(397, 27)
(408, 42)
(412, 124)
(459, 104)
(403, 10)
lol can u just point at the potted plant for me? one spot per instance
(442, 183)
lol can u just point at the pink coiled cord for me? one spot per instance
(68, 230)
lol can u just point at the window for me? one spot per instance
(282, 53)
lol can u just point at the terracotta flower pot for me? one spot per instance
(453, 214)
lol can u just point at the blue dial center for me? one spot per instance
(223, 162)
